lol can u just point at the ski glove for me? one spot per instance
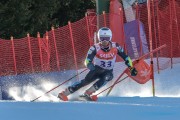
(90, 66)
(133, 71)
(128, 62)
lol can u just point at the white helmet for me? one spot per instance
(104, 33)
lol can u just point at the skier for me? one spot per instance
(100, 61)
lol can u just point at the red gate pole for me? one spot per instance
(88, 27)
(171, 19)
(110, 87)
(55, 45)
(159, 33)
(14, 55)
(59, 85)
(104, 16)
(150, 42)
(115, 83)
(176, 20)
(40, 50)
(30, 52)
(140, 58)
(48, 52)
(73, 46)
(155, 7)
(122, 23)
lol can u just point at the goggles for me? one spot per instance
(104, 38)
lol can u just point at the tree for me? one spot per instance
(73, 11)
(19, 17)
(14, 18)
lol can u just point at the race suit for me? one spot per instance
(103, 62)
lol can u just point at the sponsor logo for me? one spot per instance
(145, 73)
(134, 47)
(109, 55)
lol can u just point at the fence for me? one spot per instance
(65, 48)
(165, 23)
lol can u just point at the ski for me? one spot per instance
(86, 98)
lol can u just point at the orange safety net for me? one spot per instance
(65, 48)
(165, 22)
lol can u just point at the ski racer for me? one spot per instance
(100, 61)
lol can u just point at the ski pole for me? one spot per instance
(155, 50)
(95, 96)
(115, 83)
(151, 52)
(59, 85)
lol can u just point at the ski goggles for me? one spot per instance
(104, 38)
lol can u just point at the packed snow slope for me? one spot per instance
(107, 108)
(120, 105)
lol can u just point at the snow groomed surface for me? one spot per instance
(107, 108)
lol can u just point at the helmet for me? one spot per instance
(104, 33)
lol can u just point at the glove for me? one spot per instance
(133, 71)
(91, 66)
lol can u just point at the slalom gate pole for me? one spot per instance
(59, 85)
(111, 85)
(155, 50)
(115, 83)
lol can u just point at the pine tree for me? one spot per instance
(19, 17)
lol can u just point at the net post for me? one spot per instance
(14, 55)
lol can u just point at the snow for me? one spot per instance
(110, 108)
(129, 100)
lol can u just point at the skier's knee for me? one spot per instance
(108, 77)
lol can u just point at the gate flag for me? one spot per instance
(144, 72)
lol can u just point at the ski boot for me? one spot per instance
(63, 95)
(87, 96)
